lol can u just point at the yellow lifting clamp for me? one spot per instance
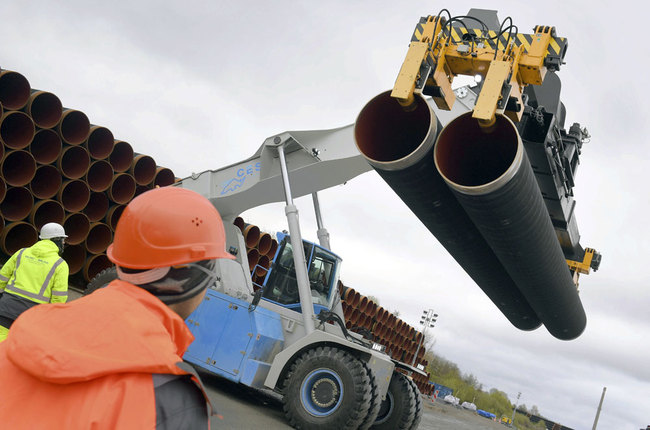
(591, 260)
(507, 62)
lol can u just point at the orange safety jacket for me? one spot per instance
(89, 363)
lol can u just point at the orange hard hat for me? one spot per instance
(166, 227)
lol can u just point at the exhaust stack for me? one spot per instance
(399, 146)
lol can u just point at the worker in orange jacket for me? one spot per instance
(33, 276)
(112, 359)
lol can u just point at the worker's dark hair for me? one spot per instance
(59, 242)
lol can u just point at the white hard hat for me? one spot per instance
(52, 230)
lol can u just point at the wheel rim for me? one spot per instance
(386, 409)
(321, 392)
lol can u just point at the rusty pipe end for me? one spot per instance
(391, 138)
(474, 162)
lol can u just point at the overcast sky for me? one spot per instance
(200, 84)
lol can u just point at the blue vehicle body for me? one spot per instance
(232, 341)
(238, 341)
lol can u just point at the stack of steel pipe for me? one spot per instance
(57, 167)
(400, 339)
(260, 250)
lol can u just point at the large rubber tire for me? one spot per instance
(418, 405)
(101, 280)
(398, 408)
(375, 401)
(326, 388)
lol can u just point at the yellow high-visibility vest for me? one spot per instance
(36, 273)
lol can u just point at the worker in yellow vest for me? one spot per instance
(33, 276)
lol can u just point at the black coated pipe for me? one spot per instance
(492, 179)
(399, 145)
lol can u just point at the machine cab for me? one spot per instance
(281, 287)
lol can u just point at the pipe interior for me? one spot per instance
(164, 177)
(100, 142)
(14, 90)
(76, 227)
(468, 156)
(17, 203)
(385, 132)
(46, 110)
(75, 127)
(75, 162)
(99, 237)
(46, 146)
(17, 130)
(19, 235)
(75, 195)
(122, 156)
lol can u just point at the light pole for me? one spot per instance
(514, 410)
(428, 319)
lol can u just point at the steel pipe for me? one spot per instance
(73, 127)
(122, 188)
(113, 215)
(363, 303)
(46, 182)
(355, 299)
(163, 177)
(264, 244)
(95, 264)
(16, 129)
(139, 189)
(46, 146)
(239, 222)
(348, 295)
(76, 226)
(14, 90)
(253, 257)
(17, 235)
(3, 189)
(99, 175)
(273, 249)
(121, 156)
(75, 256)
(100, 142)
(45, 108)
(251, 235)
(73, 162)
(17, 203)
(263, 265)
(99, 237)
(494, 182)
(97, 206)
(74, 195)
(399, 146)
(143, 169)
(45, 211)
(18, 168)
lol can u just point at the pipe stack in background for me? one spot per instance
(57, 167)
(260, 250)
(363, 316)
